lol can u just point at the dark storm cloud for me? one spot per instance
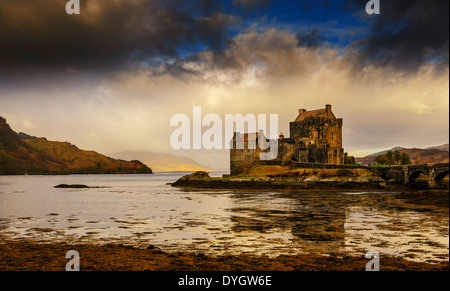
(406, 35)
(109, 36)
(38, 36)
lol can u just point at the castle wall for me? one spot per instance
(333, 133)
(318, 130)
(286, 150)
(318, 140)
(240, 158)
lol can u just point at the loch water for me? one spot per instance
(143, 210)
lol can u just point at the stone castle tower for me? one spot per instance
(315, 138)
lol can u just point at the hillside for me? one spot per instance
(20, 154)
(431, 155)
(164, 162)
(444, 147)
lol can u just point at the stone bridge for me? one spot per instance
(406, 175)
(435, 173)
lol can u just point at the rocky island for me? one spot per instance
(279, 177)
(312, 157)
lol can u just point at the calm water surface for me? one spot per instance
(143, 210)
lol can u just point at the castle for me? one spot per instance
(315, 138)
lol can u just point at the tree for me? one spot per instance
(349, 160)
(390, 157)
(393, 158)
(406, 159)
(382, 160)
(397, 157)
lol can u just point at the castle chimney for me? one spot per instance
(329, 113)
(301, 111)
(281, 135)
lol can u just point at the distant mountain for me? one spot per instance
(444, 147)
(419, 156)
(437, 154)
(164, 162)
(385, 152)
(21, 153)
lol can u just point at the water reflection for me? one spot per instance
(347, 222)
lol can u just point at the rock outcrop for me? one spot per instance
(202, 180)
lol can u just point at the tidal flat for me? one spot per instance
(33, 256)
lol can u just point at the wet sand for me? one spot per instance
(33, 256)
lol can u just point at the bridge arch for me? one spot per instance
(434, 175)
(439, 177)
(416, 174)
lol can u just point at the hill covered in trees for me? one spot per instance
(21, 154)
(433, 155)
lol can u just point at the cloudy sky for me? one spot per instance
(111, 78)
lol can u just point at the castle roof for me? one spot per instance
(303, 114)
(313, 113)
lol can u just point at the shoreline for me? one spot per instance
(32, 256)
(202, 180)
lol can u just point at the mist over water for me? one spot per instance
(142, 210)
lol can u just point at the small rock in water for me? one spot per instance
(72, 186)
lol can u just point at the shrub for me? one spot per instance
(344, 173)
(323, 174)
